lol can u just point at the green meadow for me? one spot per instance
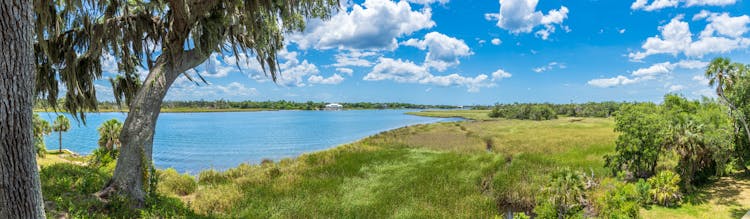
(478, 168)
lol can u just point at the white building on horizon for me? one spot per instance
(334, 106)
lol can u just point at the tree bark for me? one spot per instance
(59, 134)
(137, 135)
(20, 190)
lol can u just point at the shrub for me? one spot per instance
(622, 201)
(174, 183)
(207, 177)
(102, 157)
(665, 189)
(563, 196)
(524, 111)
(217, 199)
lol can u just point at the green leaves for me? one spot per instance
(62, 124)
(641, 128)
(71, 37)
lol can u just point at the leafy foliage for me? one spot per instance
(641, 128)
(73, 36)
(61, 124)
(564, 195)
(41, 128)
(622, 201)
(665, 188)
(109, 134)
(524, 111)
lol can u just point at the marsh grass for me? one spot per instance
(440, 170)
(434, 170)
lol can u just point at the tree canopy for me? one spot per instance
(73, 35)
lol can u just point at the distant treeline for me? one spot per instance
(270, 105)
(547, 111)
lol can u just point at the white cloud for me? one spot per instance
(725, 25)
(427, 2)
(347, 71)
(702, 80)
(496, 41)
(109, 63)
(676, 87)
(549, 66)
(659, 4)
(354, 58)
(521, 16)
(722, 34)
(376, 24)
(500, 74)
(648, 73)
(292, 71)
(621, 31)
(709, 2)
(408, 72)
(317, 79)
(442, 51)
(185, 90)
(611, 82)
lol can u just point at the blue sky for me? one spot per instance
(481, 52)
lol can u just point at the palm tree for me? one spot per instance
(62, 124)
(723, 73)
(109, 134)
(687, 140)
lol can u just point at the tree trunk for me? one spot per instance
(20, 190)
(60, 141)
(137, 135)
(720, 93)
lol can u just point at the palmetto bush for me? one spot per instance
(665, 188)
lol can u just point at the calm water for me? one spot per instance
(190, 142)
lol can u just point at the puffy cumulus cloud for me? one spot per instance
(701, 79)
(725, 25)
(676, 87)
(500, 74)
(347, 71)
(428, 2)
(354, 58)
(184, 90)
(317, 79)
(375, 25)
(722, 34)
(611, 82)
(659, 4)
(668, 67)
(442, 51)
(109, 63)
(408, 72)
(647, 73)
(397, 70)
(292, 72)
(521, 16)
(549, 66)
(496, 41)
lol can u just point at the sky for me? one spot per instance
(465, 52)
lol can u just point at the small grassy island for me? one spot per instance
(479, 168)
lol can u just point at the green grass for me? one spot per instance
(435, 170)
(467, 169)
(466, 114)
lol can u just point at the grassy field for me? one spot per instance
(479, 115)
(463, 169)
(467, 169)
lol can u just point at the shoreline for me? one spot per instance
(439, 119)
(196, 110)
